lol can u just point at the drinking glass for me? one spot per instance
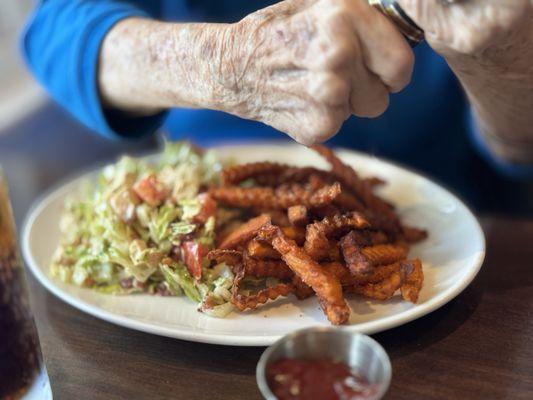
(22, 372)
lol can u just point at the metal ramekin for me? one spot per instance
(358, 351)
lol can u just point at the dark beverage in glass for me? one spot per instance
(22, 373)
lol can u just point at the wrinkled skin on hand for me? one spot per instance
(469, 27)
(304, 66)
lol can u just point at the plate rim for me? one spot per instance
(369, 327)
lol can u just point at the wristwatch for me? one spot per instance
(392, 10)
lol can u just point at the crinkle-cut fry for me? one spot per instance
(295, 233)
(298, 215)
(383, 254)
(244, 232)
(355, 260)
(382, 290)
(369, 237)
(348, 202)
(340, 271)
(311, 196)
(376, 237)
(380, 273)
(235, 174)
(413, 235)
(318, 233)
(375, 181)
(334, 253)
(301, 290)
(230, 257)
(344, 172)
(327, 210)
(361, 187)
(326, 286)
(244, 302)
(251, 302)
(294, 175)
(261, 250)
(412, 279)
(278, 199)
(267, 268)
(278, 217)
(381, 222)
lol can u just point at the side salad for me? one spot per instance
(147, 227)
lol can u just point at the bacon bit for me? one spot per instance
(193, 253)
(208, 209)
(151, 191)
(162, 290)
(126, 283)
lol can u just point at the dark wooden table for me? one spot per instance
(479, 346)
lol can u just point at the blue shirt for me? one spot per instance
(427, 126)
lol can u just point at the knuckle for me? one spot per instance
(337, 55)
(329, 89)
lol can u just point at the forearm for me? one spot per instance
(499, 86)
(146, 66)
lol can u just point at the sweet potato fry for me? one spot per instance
(301, 290)
(379, 274)
(261, 250)
(298, 215)
(325, 285)
(351, 180)
(267, 268)
(348, 202)
(237, 173)
(383, 254)
(244, 232)
(230, 257)
(278, 217)
(244, 302)
(375, 181)
(344, 172)
(412, 279)
(294, 233)
(327, 210)
(357, 263)
(340, 271)
(413, 235)
(382, 290)
(278, 199)
(294, 175)
(318, 233)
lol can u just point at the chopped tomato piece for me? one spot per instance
(209, 208)
(193, 254)
(151, 191)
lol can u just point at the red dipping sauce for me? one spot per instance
(291, 379)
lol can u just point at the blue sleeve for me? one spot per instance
(61, 44)
(510, 170)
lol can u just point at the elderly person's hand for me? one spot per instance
(489, 45)
(469, 27)
(301, 66)
(305, 66)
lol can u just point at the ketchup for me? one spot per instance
(291, 379)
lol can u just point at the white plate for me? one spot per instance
(452, 257)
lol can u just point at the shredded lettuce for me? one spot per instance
(178, 277)
(115, 241)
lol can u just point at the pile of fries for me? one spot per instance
(315, 231)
